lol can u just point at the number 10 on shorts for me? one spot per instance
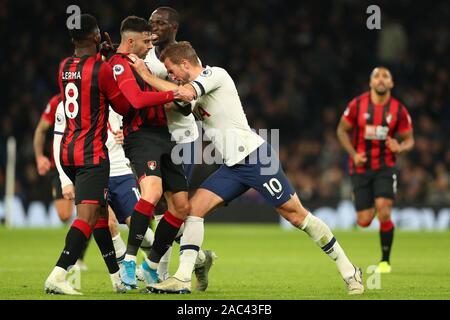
(274, 186)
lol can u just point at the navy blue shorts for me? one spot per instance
(123, 195)
(261, 170)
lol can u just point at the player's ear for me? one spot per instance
(175, 28)
(130, 42)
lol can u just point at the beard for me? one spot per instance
(381, 92)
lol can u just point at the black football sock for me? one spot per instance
(76, 238)
(102, 236)
(165, 234)
(386, 237)
(139, 222)
(83, 251)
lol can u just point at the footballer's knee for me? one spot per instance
(384, 208)
(151, 189)
(64, 208)
(181, 209)
(293, 211)
(365, 217)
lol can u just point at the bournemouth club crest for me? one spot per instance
(151, 165)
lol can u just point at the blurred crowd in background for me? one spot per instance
(296, 68)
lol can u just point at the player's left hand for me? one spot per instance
(118, 136)
(393, 145)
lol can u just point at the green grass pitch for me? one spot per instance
(255, 262)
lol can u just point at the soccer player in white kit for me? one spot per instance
(219, 107)
(164, 23)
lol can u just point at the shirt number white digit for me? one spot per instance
(71, 100)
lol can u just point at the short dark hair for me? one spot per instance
(179, 51)
(88, 25)
(174, 16)
(134, 24)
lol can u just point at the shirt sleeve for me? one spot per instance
(349, 114)
(131, 90)
(49, 113)
(405, 122)
(209, 80)
(60, 125)
(109, 88)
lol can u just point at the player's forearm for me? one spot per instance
(142, 99)
(407, 145)
(157, 83)
(146, 99)
(344, 139)
(38, 143)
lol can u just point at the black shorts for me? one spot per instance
(91, 182)
(149, 151)
(374, 184)
(56, 185)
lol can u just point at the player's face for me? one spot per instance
(141, 44)
(161, 27)
(177, 72)
(381, 81)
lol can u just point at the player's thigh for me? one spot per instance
(220, 187)
(144, 152)
(363, 192)
(204, 201)
(263, 172)
(173, 177)
(385, 183)
(91, 184)
(385, 189)
(123, 195)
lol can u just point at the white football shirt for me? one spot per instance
(183, 129)
(119, 165)
(224, 121)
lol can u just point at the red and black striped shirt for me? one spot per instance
(371, 125)
(87, 87)
(131, 84)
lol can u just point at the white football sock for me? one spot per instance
(321, 234)
(119, 247)
(147, 242)
(191, 241)
(129, 257)
(163, 266)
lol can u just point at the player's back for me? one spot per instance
(86, 111)
(220, 109)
